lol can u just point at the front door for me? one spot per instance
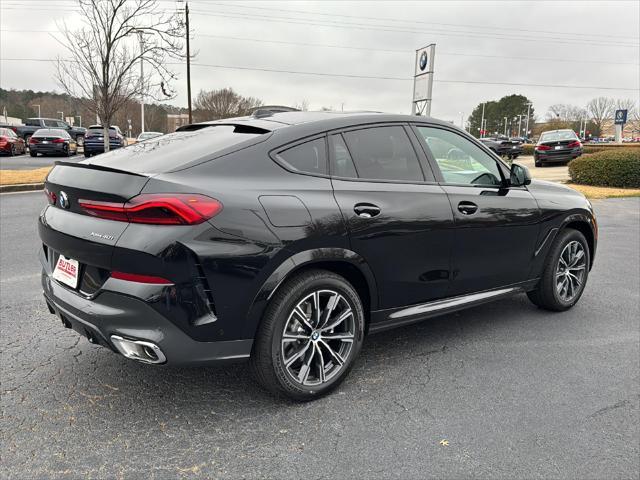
(496, 227)
(398, 217)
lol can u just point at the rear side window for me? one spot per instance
(308, 157)
(384, 153)
(341, 162)
(50, 123)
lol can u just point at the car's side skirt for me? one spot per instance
(396, 317)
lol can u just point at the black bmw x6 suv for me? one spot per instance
(284, 238)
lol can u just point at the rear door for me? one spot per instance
(398, 217)
(495, 227)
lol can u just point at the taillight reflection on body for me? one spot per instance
(575, 144)
(157, 209)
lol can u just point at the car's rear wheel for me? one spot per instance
(12, 150)
(565, 272)
(309, 337)
(32, 153)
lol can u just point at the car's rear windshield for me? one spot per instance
(172, 151)
(558, 136)
(51, 132)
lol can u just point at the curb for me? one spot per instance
(21, 187)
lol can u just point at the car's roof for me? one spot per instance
(278, 120)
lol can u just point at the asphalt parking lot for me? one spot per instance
(500, 391)
(27, 162)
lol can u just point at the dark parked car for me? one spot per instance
(51, 141)
(286, 238)
(31, 125)
(10, 143)
(94, 141)
(557, 146)
(503, 146)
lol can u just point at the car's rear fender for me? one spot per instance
(341, 261)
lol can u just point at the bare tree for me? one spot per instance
(303, 106)
(565, 112)
(600, 109)
(224, 103)
(103, 68)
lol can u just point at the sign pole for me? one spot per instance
(423, 80)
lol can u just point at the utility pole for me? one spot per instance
(482, 121)
(505, 126)
(526, 134)
(520, 125)
(186, 12)
(141, 82)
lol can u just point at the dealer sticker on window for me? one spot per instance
(66, 271)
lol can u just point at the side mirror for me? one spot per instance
(520, 176)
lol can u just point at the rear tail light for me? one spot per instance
(575, 144)
(33, 140)
(157, 209)
(59, 140)
(542, 148)
(134, 277)
(51, 196)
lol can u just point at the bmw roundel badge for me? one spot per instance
(423, 60)
(64, 199)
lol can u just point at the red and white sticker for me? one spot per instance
(66, 271)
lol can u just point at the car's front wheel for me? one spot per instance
(565, 272)
(309, 337)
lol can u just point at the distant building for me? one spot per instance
(176, 120)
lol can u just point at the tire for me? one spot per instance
(538, 163)
(549, 294)
(87, 154)
(32, 153)
(308, 347)
(12, 151)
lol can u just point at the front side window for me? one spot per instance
(308, 157)
(384, 153)
(460, 161)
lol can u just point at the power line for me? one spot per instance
(387, 28)
(372, 49)
(368, 77)
(420, 22)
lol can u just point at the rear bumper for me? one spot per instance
(557, 157)
(98, 147)
(49, 148)
(116, 313)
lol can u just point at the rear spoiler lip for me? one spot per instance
(92, 166)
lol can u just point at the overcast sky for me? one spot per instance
(581, 43)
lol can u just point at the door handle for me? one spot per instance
(366, 210)
(467, 208)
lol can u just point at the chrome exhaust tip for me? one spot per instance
(140, 350)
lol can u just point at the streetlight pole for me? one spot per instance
(505, 126)
(61, 115)
(186, 12)
(528, 115)
(38, 109)
(141, 81)
(482, 121)
(80, 117)
(520, 125)
(461, 119)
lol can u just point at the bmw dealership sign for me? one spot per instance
(423, 80)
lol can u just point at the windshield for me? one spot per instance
(51, 132)
(168, 152)
(558, 136)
